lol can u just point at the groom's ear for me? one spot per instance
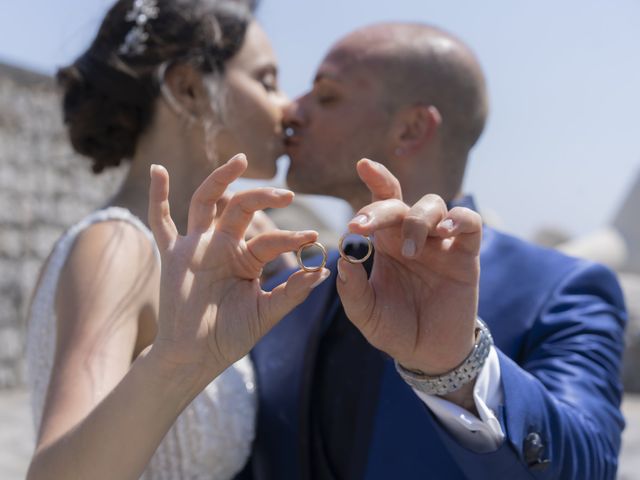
(415, 126)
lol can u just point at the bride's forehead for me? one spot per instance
(256, 48)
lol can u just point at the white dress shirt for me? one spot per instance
(481, 434)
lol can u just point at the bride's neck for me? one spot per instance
(184, 158)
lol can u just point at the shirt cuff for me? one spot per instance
(481, 434)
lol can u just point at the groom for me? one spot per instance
(392, 376)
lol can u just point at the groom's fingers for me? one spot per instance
(421, 222)
(377, 216)
(380, 181)
(356, 294)
(202, 210)
(162, 226)
(465, 225)
(239, 211)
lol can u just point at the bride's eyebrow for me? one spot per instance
(267, 67)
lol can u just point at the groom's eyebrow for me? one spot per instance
(325, 76)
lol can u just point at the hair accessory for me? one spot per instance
(141, 12)
(324, 257)
(349, 258)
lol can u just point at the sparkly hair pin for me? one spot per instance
(135, 41)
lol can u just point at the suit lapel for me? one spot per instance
(283, 361)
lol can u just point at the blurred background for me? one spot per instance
(559, 162)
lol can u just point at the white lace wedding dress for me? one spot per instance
(210, 440)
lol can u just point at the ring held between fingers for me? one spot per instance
(309, 245)
(350, 258)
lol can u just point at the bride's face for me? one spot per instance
(253, 106)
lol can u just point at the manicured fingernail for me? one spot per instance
(447, 224)
(361, 219)
(409, 248)
(323, 276)
(341, 274)
(281, 192)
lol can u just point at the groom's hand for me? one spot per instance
(420, 303)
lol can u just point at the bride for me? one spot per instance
(126, 381)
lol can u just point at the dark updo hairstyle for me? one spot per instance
(109, 95)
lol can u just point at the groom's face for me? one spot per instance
(339, 121)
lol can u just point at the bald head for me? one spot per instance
(420, 64)
(409, 96)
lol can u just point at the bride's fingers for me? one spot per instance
(239, 211)
(162, 226)
(202, 210)
(285, 297)
(222, 203)
(268, 246)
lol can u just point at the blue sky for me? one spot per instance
(563, 141)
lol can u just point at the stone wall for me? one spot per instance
(44, 187)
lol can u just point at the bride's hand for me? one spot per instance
(212, 309)
(261, 224)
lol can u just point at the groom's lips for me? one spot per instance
(291, 142)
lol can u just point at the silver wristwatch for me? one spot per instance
(459, 376)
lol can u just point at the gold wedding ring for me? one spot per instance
(349, 258)
(324, 257)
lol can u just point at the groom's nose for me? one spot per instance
(294, 116)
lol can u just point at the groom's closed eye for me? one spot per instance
(325, 94)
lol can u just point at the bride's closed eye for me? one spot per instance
(269, 80)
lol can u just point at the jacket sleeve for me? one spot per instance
(246, 473)
(562, 395)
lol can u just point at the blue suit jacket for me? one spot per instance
(558, 326)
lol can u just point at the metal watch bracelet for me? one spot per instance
(459, 376)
